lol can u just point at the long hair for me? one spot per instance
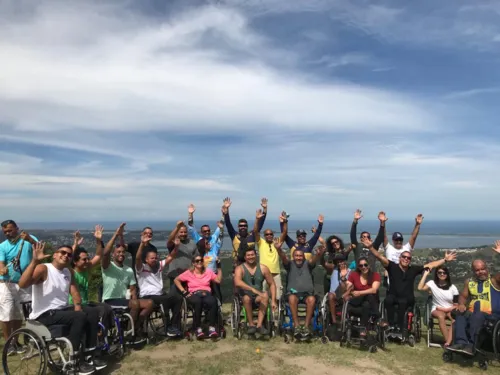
(370, 271)
(447, 284)
(202, 262)
(329, 246)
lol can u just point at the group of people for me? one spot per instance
(59, 289)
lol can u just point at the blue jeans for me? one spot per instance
(471, 323)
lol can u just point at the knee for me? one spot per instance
(246, 299)
(292, 299)
(134, 304)
(311, 300)
(149, 304)
(332, 297)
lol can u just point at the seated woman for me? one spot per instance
(444, 298)
(362, 292)
(338, 282)
(199, 294)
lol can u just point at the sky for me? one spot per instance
(124, 110)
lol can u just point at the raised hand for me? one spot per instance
(99, 229)
(223, 209)
(38, 253)
(497, 247)
(313, 229)
(357, 215)
(220, 224)
(191, 209)
(321, 249)
(321, 218)
(382, 217)
(227, 203)
(259, 213)
(145, 239)
(450, 256)
(277, 243)
(78, 238)
(366, 242)
(419, 219)
(121, 229)
(263, 203)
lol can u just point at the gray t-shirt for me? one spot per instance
(360, 250)
(184, 258)
(300, 278)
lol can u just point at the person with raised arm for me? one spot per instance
(444, 298)
(82, 265)
(300, 285)
(268, 254)
(482, 295)
(117, 278)
(15, 255)
(402, 277)
(133, 247)
(301, 243)
(150, 279)
(394, 251)
(52, 283)
(242, 235)
(357, 247)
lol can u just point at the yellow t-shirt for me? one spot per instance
(268, 256)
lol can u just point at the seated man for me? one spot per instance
(249, 278)
(117, 278)
(150, 279)
(300, 286)
(483, 291)
(52, 284)
(401, 282)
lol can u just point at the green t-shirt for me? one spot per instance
(116, 280)
(82, 283)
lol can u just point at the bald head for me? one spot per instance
(480, 269)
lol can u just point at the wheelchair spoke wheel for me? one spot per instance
(158, 323)
(33, 360)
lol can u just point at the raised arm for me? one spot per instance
(283, 227)
(381, 235)
(262, 219)
(98, 246)
(383, 219)
(138, 256)
(314, 239)
(256, 228)
(421, 284)
(416, 229)
(173, 234)
(354, 226)
(448, 257)
(369, 245)
(318, 255)
(77, 240)
(35, 272)
(321, 240)
(172, 254)
(282, 255)
(106, 255)
(496, 249)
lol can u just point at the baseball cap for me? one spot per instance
(301, 232)
(397, 236)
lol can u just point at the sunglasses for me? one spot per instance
(365, 236)
(405, 257)
(242, 226)
(65, 253)
(84, 259)
(301, 235)
(334, 242)
(205, 231)
(442, 273)
(198, 260)
(268, 234)
(364, 265)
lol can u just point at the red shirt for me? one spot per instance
(355, 279)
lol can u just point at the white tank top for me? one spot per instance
(53, 293)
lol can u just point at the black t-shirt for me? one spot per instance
(133, 248)
(401, 283)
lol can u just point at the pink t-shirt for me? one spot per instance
(197, 282)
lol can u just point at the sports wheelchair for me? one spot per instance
(44, 348)
(285, 321)
(351, 330)
(488, 348)
(187, 313)
(239, 319)
(411, 333)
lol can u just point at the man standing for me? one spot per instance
(15, 255)
(249, 278)
(243, 235)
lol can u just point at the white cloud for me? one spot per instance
(473, 92)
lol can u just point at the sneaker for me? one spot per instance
(12, 350)
(172, 332)
(251, 330)
(176, 331)
(468, 349)
(307, 331)
(199, 333)
(212, 332)
(20, 349)
(263, 331)
(456, 347)
(85, 368)
(99, 363)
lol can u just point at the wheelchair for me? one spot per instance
(187, 314)
(285, 320)
(351, 328)
(45, 348)
(488, 348)
(239, 318)
(329, 329)
(431, 322)
(411, 333)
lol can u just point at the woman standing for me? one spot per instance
(444, 298)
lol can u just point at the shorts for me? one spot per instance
(277, 282)
(11, 297)
(117, 302)
(300, 295)
(251, 295)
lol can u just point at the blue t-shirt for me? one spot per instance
(8, 251)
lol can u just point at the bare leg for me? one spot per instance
(441, 316)
(293, 302)
(247, 303)
(310, 302)
(263, 303)
(332, 301)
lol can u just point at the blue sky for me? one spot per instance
(119, 110)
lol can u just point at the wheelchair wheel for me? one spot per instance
(417, 327)
(157, 321)
(483, 365)
(235, 317)
(496, 340)
(411, 341)
(184, 316)
(447, 356)
(32, 361)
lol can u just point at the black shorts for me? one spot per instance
(117, 302)
(242, 293)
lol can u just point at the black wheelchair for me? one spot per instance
(187, 318)
(411, 333)
(239, 318)
(431, 323)
(351, 330)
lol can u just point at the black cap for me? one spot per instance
(301, 232)
(397, 236)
